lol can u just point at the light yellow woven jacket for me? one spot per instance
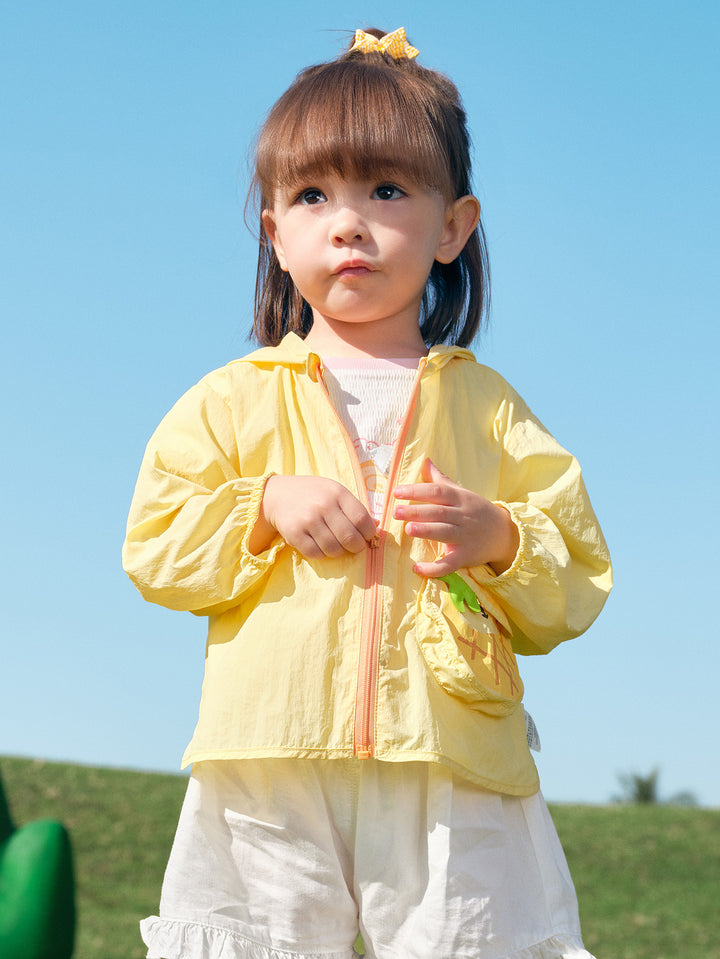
(359, 655)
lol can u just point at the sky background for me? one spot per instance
(128, 272)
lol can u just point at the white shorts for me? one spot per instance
(281, 858)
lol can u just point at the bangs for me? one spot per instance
(359, 119)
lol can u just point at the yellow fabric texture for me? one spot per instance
(284, 636)
(395, 44)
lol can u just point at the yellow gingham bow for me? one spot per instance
(394, 43)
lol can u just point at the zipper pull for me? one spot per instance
(378, 539)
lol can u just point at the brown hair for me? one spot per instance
(368, 115)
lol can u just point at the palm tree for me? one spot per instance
(643, 790)
(638, 789)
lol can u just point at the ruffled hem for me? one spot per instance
(557, 947)
(178, 939)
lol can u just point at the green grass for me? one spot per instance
(647, 877)
(121, 826)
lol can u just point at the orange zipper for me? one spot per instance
(366, 695)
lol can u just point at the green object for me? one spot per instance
(37, 895)
(461, 594)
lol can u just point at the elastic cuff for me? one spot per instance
(253, 512)
(521, 557)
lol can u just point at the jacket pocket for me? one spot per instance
(469, 654)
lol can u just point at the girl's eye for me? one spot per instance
(311, 197)
(388, 191)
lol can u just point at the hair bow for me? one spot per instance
(394, 43)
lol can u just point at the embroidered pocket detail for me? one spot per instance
(469, 653)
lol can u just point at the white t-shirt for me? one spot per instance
(371, 397)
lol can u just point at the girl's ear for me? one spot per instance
(270, 227)
(461, 219)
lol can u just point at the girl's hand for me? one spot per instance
(317, 516)
(474, 531)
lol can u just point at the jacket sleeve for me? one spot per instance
(193, 511)
(561, 575)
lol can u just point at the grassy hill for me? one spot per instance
(647, 877)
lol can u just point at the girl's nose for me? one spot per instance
(348, 226)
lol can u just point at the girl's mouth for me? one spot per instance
(354, 268)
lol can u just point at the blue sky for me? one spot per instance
(128, 273)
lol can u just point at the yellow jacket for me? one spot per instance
(359, 655)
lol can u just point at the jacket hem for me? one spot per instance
(520, 789)
(270, 752)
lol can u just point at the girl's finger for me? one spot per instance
(435, 488)
(325, 536)
(431, 474)
(307, 546)
(439, 567)
(426, 493)
(347, 536)
(426, 513)
(437, 532)
(359, 517)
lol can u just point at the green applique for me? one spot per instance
(461, 594)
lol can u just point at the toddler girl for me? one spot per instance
(375, 525)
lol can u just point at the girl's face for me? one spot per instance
(360, 252)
